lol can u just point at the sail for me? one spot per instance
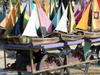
(98, 3)
(46, 8)
(51, 6)
(73, 23)
(62, 25)
(9, 20)
(11, 6)
(80, 14)
(83, 23)
(18, 28)
(63, 9)
(32, 5)
(27, 8)
(30, 29)
(45, 21)
(96, 17)
(4, 15)
(84, 3)
(2, 32)
(26, 17)
(56, 19)
(76, 11)
(7, 32)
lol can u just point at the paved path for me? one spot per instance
(93, 70)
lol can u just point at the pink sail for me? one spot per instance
(76, 11)
(45, 21)
(78, 16)
(84, 3)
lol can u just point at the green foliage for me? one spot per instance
(13, 3)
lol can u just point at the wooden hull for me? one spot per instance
(42, 41)
(68, 37)
(25, 40)
(3, 40)
(17, 41)
(90, 35)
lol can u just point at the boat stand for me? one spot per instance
(85, 43)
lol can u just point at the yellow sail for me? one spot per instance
(9, 20)
(83, 23)
(73, 22)
(96, 17)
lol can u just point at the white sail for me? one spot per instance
(11, 6)
(30, 29)
(63, 8)
(62, 25)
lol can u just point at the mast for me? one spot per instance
(39, 20)
(50, 8)
(18, 8)
(29, 8)
(81, 4)
(92, 14)
(55, 8)
(69, 16)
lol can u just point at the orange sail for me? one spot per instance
(46, 8)
(9, 20)
(83, 23)
(96, 17)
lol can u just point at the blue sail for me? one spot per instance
(32, 5)
(18, 28)
(57, 17)
(4, 15)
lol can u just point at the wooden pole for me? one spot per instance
(18, 8)
(55, 8)
(92, 14)
(39, 20)
(69, 16)
(29, 8)
(81, 4)
(50, 9)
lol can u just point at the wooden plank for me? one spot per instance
(67, 66)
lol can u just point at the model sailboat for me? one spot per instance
(63, 26)
(45, 26)
(8, 23)
(83, 24)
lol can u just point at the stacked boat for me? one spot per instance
(30, 23)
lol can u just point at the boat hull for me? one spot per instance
(90, 35)
(68, 37)
(42, 41)
(3, 40)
